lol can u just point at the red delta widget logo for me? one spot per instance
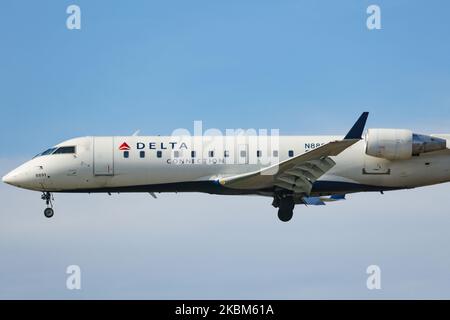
(124, 146)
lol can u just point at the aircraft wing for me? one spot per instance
(298, 174)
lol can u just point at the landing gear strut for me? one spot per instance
(48, 197)
(285, 205)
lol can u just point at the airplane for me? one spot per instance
(308, 170)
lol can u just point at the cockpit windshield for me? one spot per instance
(67, 149)
(55, 150)
(46, 152)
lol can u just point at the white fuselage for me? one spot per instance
(167, 163)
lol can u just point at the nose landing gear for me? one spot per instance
(48, 197)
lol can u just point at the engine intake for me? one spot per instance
(400, 144)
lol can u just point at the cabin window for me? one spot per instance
(243, 153)
(65, 150)
(291, 153)
(159, 154)
(192, 154)
(142, 154)
(176, 154)
(211, 154)
(258, 154)
(226, 153)
(275, 153)
(126, 154)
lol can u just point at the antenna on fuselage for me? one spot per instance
(136, 132)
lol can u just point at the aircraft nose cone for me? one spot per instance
(15, 178)
(8, 179)
(24, 176)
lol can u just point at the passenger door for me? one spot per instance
(103, 156)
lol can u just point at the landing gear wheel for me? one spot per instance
(48, 198)
(276, 202)
(48, 212)
(285, 215)
(286, 209)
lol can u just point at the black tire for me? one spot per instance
(48, 212)
(286, 209)
(276, 202)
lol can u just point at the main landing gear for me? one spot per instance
(48, 197)
(285, 204)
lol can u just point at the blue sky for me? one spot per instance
(305, 67)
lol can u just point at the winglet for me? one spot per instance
(357, 130)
